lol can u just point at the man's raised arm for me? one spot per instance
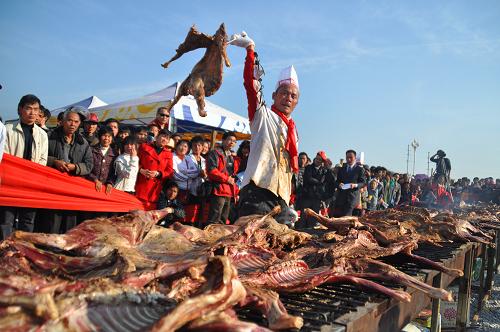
(252, 85)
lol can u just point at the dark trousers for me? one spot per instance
(57, 221)
(256, 200)
(343, 210)
(219, 209)
(8, 215)
(313, 204)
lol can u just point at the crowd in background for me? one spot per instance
(317, 188)
(197, 180)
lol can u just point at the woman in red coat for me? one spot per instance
(155, 167)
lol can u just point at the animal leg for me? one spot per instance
(193, 41)
(181, 92)
(199, 95)
(226, 58)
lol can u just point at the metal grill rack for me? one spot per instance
(345, 307)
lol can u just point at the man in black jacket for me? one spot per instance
(350, 179)
(314, 191)
(69, 152)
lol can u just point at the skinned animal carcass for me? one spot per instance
(206, 77)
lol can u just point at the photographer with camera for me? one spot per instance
(443, 167)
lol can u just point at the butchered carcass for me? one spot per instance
(221, 291)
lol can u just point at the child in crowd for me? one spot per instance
(142, 135)
(373, 195)
(127, 166)
(168, 199)
(153, 132)
(123, 133)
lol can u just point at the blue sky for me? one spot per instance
(373, 74)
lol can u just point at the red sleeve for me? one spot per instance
(169, 167)
(142, 155)
(217, 176)
(237, 163)
(248, 83)
(213, 172)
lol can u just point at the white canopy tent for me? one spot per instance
(184, 115)
(89, 103)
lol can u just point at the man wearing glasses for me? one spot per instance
(162, 118)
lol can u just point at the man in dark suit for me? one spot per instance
(350, 179)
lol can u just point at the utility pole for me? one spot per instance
(408, 159)
(428, 163)
(414, 145)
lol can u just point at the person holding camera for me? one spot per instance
(443, 167)
(221, 169)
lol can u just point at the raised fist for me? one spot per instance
(241, 40)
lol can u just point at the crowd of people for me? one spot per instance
(157, 166)
(319, 186)
(200, 182)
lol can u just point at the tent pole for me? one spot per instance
(172, 124)
(213, 139)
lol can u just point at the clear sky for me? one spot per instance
(373, 75)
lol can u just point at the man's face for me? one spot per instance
(286, 98)
(71, 123)
(229, 143)
(162, 140)
(176, 139)
(163, 116)
(114, 127)
(350, 158)
(396, 177)
(90, 127)
(105, 140)
(29, 113)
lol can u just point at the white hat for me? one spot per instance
(288, 76)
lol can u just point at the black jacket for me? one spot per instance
(178, 214)
(104, 166)
(348, 197)
(317, 182)
(443, 167)
(79, 153)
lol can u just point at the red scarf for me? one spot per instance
(291, 140)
